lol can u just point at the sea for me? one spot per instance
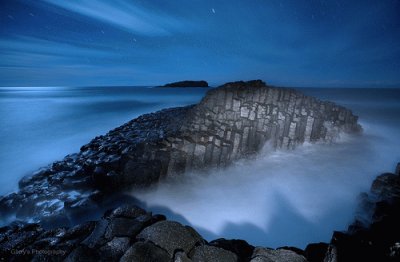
(275, 199)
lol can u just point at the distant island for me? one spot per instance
(187, 83)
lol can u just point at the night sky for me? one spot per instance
(291, 43)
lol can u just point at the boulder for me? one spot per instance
(240, 247)
(212, 254)
(145, 252)
(123, 227)
(261, 254)
(114, 249)
(170, 236)
(96, 238)
(127, 211)
(378, 240)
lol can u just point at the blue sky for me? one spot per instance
(290, 43)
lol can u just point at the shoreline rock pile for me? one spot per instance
(129, 233)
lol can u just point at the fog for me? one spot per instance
(281, 197)
(40, 125)
(277, 198)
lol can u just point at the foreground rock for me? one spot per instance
(127, 234)
(187, 84)
(231, 122)
(375, 236)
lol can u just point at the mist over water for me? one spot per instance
(277, 198)
(290, 197)
(39, 125)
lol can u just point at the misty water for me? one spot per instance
(277, 198)
(43, 124)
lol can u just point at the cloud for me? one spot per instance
(24, 51)
(125, 15)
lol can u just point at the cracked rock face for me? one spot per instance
(231, 122)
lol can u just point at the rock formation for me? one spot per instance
(187, 84)
(231, 122)
(129, 233)
(377, 236)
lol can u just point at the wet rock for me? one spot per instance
(127, 211)
(387, 186)
(123, 227)
(16, 239)
(181, 257)
(145, 252)
(240, 247)
(83, 254)
(294, 249)
(96, 238)
(170, 236)
(376, 241)
(114, 249)
(212, 254)
(270, 255)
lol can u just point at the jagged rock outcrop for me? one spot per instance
(376, 238)
(231, 122)
(154, 239)
(187, 83)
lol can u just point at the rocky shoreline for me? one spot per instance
(231, 122)
(129, 233)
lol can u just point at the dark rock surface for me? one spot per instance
(315, 252)
(231, 122)
(379, 240)
(187, 83)
(129, 233)
(154, 240)
(241, 248)
(262, 254)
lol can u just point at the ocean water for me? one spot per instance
(39, 125)
(278, 198)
